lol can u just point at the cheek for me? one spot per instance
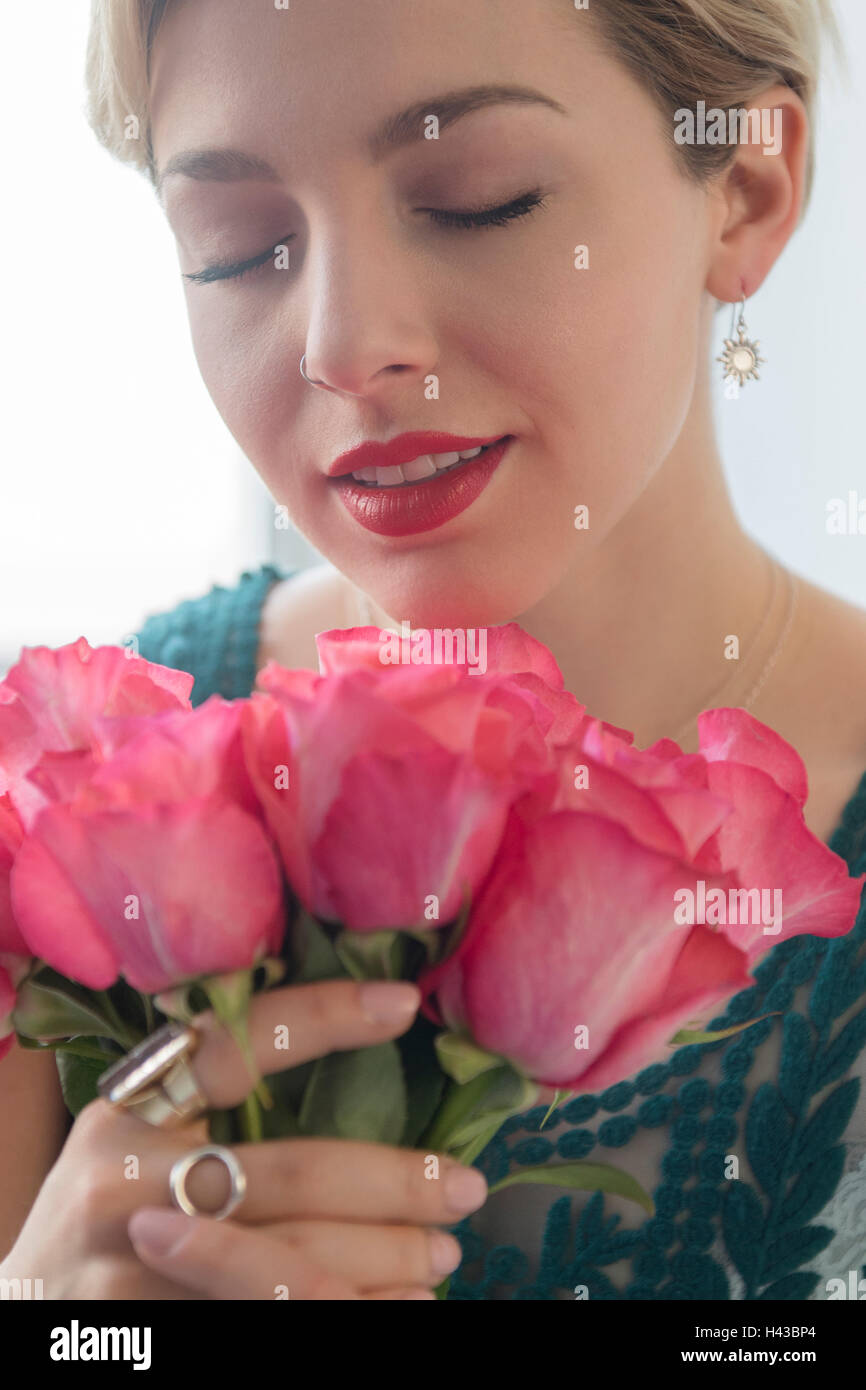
(612, 363)
(249, 369)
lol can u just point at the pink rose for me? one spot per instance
(573, 931)
(51, 703)
(526, 664)
(592, 912)
(765, 839)
(387, 786)
(736, 807)
(159, 869)
(662, 799)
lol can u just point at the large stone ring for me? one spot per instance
(184, 1166)
(155, 1080)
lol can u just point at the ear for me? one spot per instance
(759, 196)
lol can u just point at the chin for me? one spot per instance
(456, 602)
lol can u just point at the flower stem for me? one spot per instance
(251, 1119)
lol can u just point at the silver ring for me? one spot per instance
(308, 379)
(184, 1166)
(155, 1079)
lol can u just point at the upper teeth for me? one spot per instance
(414, 470)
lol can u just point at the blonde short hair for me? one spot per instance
(723, 52)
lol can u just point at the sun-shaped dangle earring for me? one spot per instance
(741, 358)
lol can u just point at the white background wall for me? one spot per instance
(123, 492)
(796, 439)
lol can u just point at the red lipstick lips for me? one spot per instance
(412, 507)
(402, 450)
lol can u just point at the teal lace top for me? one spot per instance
(754, 1148)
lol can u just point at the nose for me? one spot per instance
(368, 323)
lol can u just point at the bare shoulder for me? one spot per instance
(312, 601)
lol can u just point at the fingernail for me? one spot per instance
(156, 1232)
(465, 1189)
(383, 1002)
(445, 1253)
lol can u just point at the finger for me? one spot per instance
(288, 1027)
(374, 1257)
(287, 1179)
(394, 1295)
(341, 1180)
(223, 1261)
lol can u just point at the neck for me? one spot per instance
(639, 625)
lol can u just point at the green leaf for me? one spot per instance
(280, 1123)
(462, 1059)
(357, 1095)
(45, 1012)
(684, 1038)
(287, 1087)
(75, 1047)
(423, 1075)
(78, 1078)
(583, 1177)
(470, 1114)
(490, 1115)
(371, 955)
(313, 954)
(468, 1152)
(558, 1099)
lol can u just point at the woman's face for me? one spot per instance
(412, 322)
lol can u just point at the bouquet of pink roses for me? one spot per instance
(570, 905)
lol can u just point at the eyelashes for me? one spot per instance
(233, 270)
(488, 217)
(498, 216)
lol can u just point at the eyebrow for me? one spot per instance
(233, 166)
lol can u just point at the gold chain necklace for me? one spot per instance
(714, 701)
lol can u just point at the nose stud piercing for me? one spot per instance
(308, 379)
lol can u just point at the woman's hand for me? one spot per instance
(321, 1218)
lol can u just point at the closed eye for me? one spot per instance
(497, 216)
(233, 270)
